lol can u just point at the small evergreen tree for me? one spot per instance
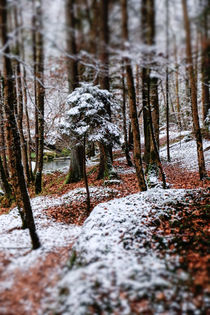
(88, 121)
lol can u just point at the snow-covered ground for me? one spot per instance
(15, 242)
(113, 262)
(185, 152)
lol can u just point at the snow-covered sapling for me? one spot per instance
(87, 120)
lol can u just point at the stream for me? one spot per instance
(61, 165)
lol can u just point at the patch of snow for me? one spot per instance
(111, 257)
(15, 243)
(174, 134)
(186, 153)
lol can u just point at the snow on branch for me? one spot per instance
(88, 116)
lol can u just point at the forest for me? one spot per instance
(104, 157)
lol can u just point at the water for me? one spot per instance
(55, 165)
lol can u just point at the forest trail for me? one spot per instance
(33, 276)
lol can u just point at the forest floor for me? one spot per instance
(136, 254)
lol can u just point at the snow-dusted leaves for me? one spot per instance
(88, 116)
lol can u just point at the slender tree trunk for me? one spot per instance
(177, 86)
(20, 102)
(148, 38)
(155, 157)
(25, 100)
(132, 104)
(127, 155)
(12, 135)
(29, 140)
(154, 108)
(130, 136)
(150, 91)
(93, 19)
(2, 133)
(147, 136)
(196, 126)
(76, 157)
(167, 83)
(86, 179)
(205, 62)
(107, 168)
(72, 62)
(138, 76)
(40, 93)
(34, 29)
(4, 182)
(103, 47)
(146, 34)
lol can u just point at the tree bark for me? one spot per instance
(132, 104)
(76, 160)
(104, 169)
(72, 62)
(40, 93)
(20, 102)
(25, 100)
(205, 62)
(2, 132)
(103, 47)
(167, 84)
(85, 178)
(4, 182)
(155, 157)
(145, 29)
(177, 86)
(126, 146)
(33, 24)
(196, 126)
(154, 108)
(12, 135)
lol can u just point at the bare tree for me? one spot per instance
(196, 125)
(132, 104)
(76, 157)
(12, 135)
(40, 93)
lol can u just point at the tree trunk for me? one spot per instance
(145, 29)
(106, 169)
(155, 157)
(126, 147)
(12, 135)
(177, 86)
(24, 88)
(196, 126)
(103, 47)
(85, 178)
(4, 182)
(205, 63)
(132, 104)
(72, 62)
(154, 108)
(40, 93)
(20, 101)
(34, 29)
(76, 165)
(2, 133)
(167, 83)
(29, 141)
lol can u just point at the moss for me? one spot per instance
(65, 152)
(33, 155)
(72, 260)
(49, 156)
